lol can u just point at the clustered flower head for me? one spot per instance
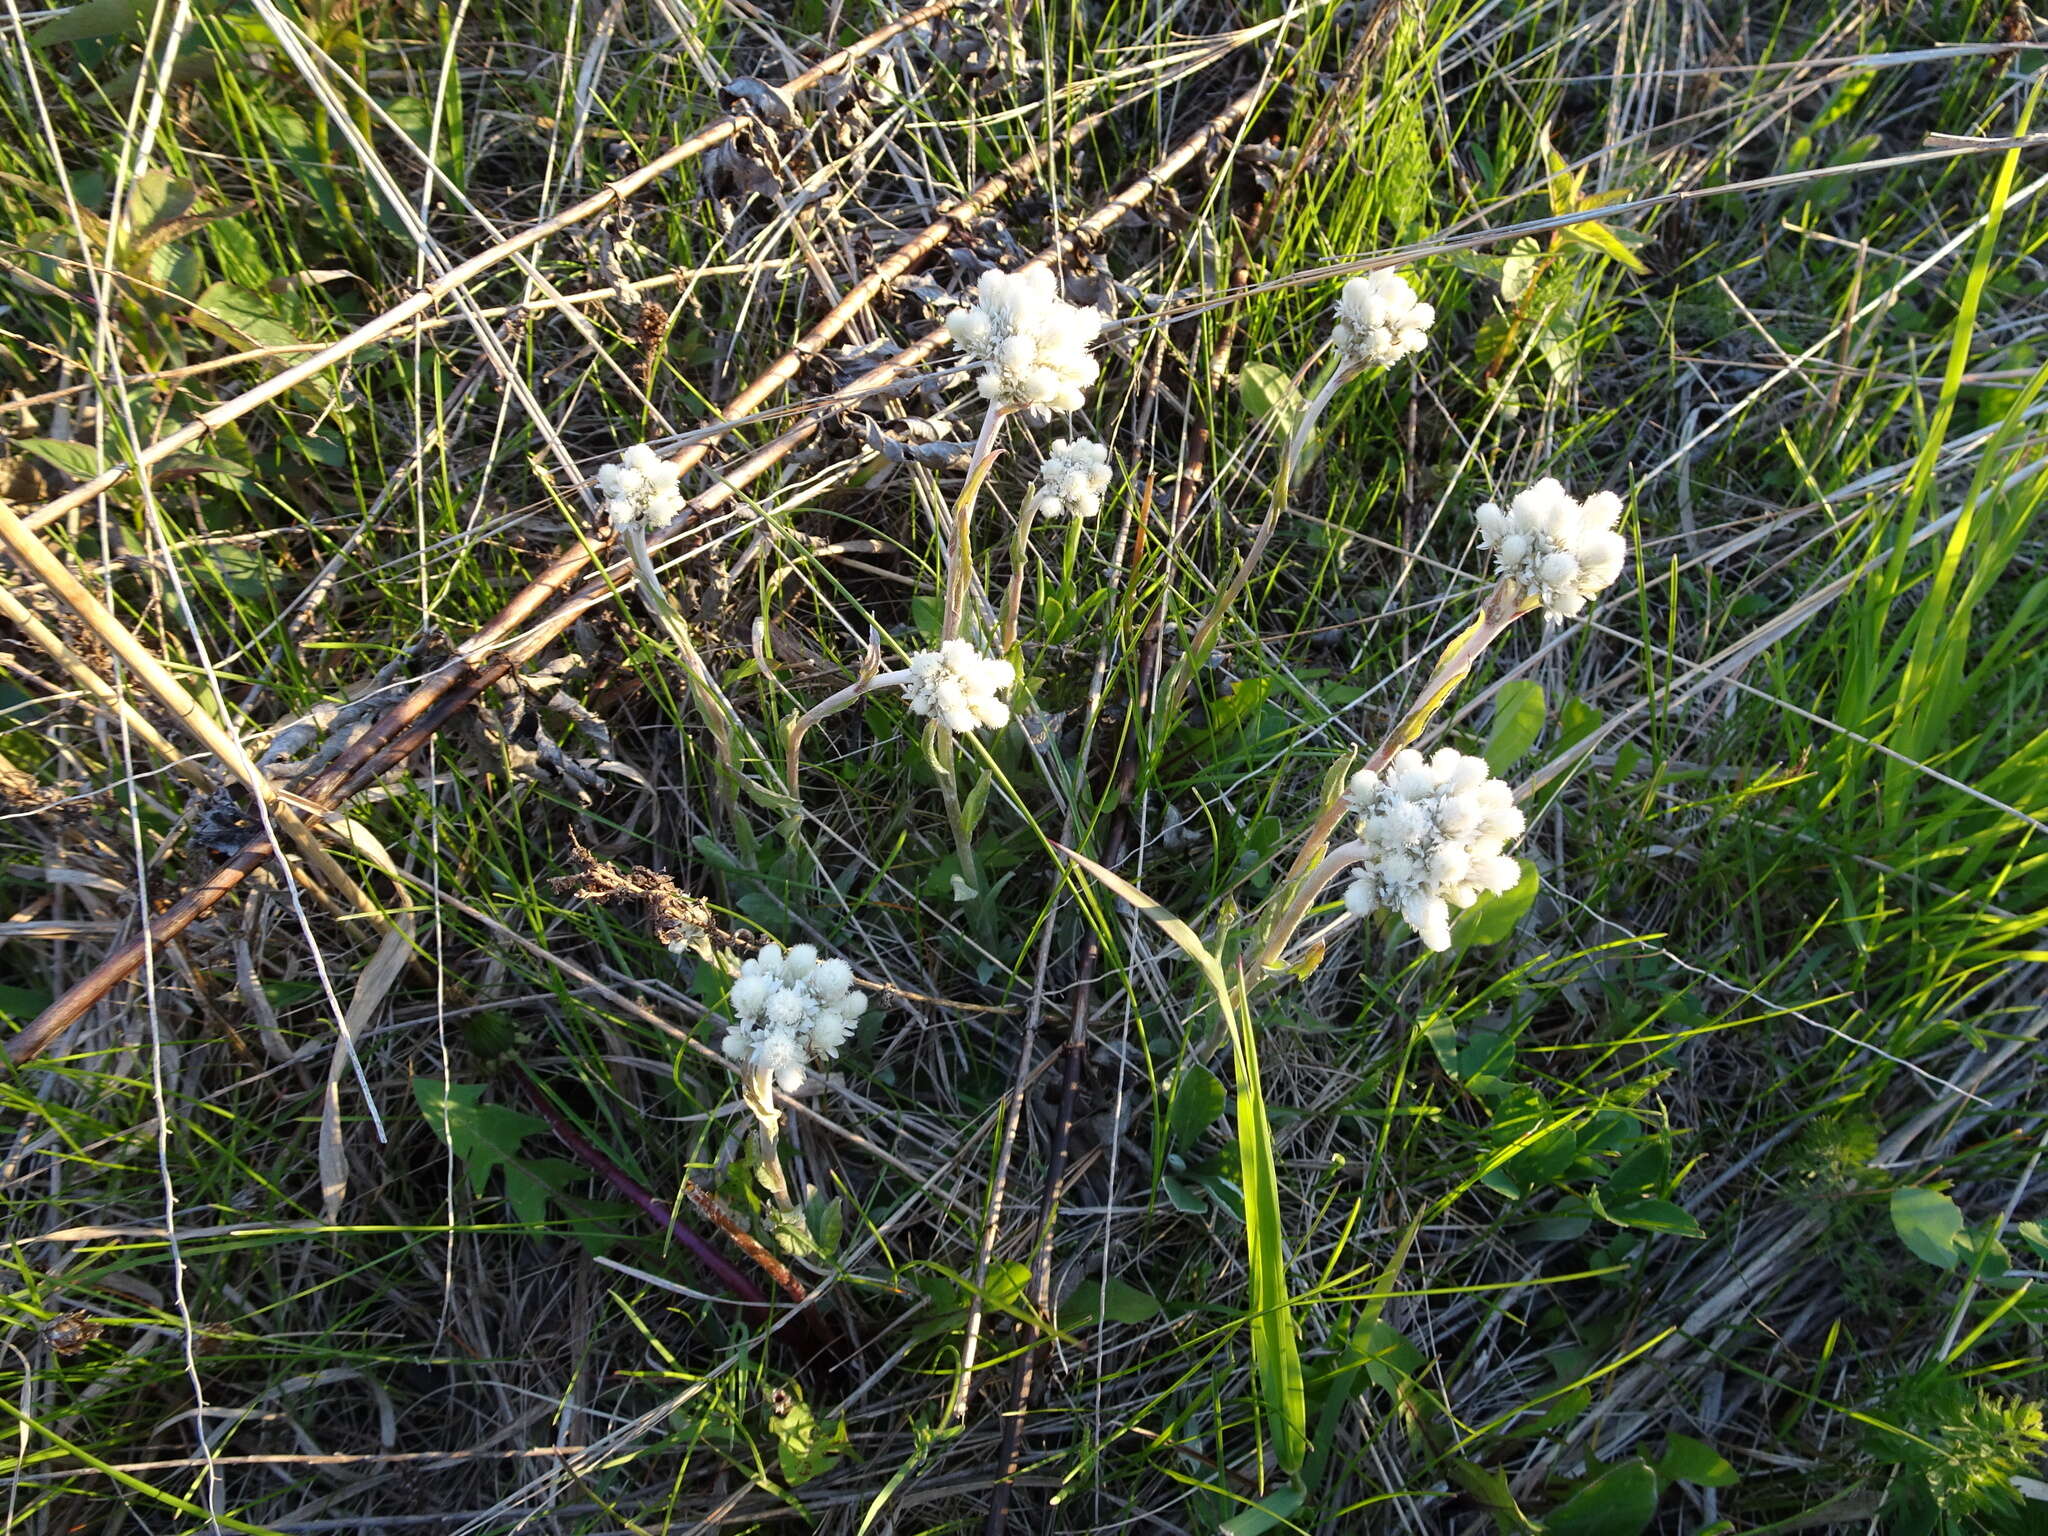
(641, 490)
(1556, 550)
(790, 1010)
(1432, 833)
(957, 686)
(1034, 342)
(1380, 320)
(1071, 479)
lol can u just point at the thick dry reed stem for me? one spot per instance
(412, 722)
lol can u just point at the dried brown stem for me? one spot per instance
(413, 720)
(608, 196)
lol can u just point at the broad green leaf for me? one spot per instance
(1650, 1215)
(1491, 919)
(1270, 393)
(1615, 244)
(1928, 1222)
(804, 1448)
(95, 18)
(1198, 1102)
(1686, 1460)
(1641, 1171)
(1518, 269)
(1618, 1503)
(1488, 1487)
(480, 1135)
(1517, 722)
(243, 318)
(1274, 1349)
(1267, 1513)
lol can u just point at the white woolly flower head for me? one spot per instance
(641, 489)
(1071, 479)
(957, 686)
(1556, 550)
(1433, 831)
(1380, 319)
(791, 1010)
(1034, 343)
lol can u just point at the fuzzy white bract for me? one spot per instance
(1430, 837)
(791, 1010)
(641, 490)
(1380, 320)
(957, 686)
(1556, 550)
(1034, 342)
(1071, 479)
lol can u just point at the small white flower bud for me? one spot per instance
(957, 686)
(1380, 320)
(1554, 549)
(642, 490)
(1071, 479)
(1034, 342)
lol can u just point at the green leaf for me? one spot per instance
(242, 318)
(1619, 1503)
(1491, 919)
(1928, 1222)
(1198, 1101)
(95, 18)
(1615, 244)
(481, 1135)
(1643, 1170)
(805, 1448)
(1270, 393)
(1266, 1513)
(1274, 1349)
(22, 1003)
(1650, 1215)
(1686, 1460)
(1517, 722)
(81, 461)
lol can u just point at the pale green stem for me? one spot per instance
(757, 1089)
(960, 546)
(831, 706)
(1296, 891)
(1335, 376)
(1020, 551)
(704, 693)
(944, 763)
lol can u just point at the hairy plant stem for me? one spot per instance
(1310, 873)
(1020, 551)
(757, 1089)
(960, 542)
(945, 763)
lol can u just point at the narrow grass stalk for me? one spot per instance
(1335, 376)
(945, 762)
(960, 537)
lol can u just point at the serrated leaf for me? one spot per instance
(1686, 1460)
(1929, 1223)
(1517, 722)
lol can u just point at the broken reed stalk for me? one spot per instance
(410, 723)
(610, 195)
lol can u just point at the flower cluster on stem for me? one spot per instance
(1431, 834)
(642, 490)
(791, 1010)
(956, 685)
(1380, 320)
(1071, 480)
(1034, 343)
(1556, 550)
